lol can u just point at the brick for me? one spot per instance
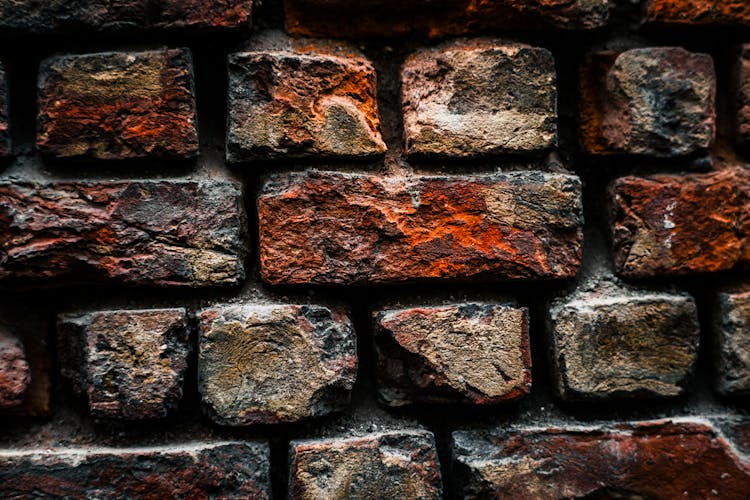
(391, 464)
(4, 119)
(200, 470)
(75, 16)
(459, 353)
(15, 375)
(731, 325)
(274, 363)
(302, 99)
(698, 12)
(657, 101)
(148, 232)
(666, 225)
(130, 364)
(477, 97)
(662, 459)
(118, 105)
(341, 228)
(389, 18)
(612, 342)
(742, 95)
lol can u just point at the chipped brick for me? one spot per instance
(732, 338)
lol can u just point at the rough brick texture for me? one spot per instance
(742, 97)
(471, 352)
(150, 232)
(274, 363)
(301, 99)
(680, 224)
(681, 459)
(600, 349)
(15, 375)
(397, 464)
(71, 16)
(130, 364)
(4, 125)
(475, 97)
(338, 228)
(118, 105)
(657, 101)
(732, 338)
(698, 12)
(209, 470)
(388, 18)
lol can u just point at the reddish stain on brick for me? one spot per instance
(723, 12)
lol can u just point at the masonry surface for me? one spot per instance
(325, 249)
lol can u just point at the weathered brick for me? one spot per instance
(388, 18)
(652, 101)
(721, 12)
(340, 228)
(391, 464)
(477, 97)
(148, 232)
(4, 126)
(611, 342)
(15, 375)
(118, 105)
(296, 99)
(130, 364)
(202, 470)
(274, 363)
(662, 459)
(732, 338)
(470, 352)
(742, 96)
(74, 16)
(680, 224)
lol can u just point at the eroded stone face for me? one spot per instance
(274, 363)
(610, 342)
(118, 105)
(130, 364)
(470, 98)
(203, 470)
(299, 101)
(742, 86)
(397, 464)
(732, 337)
(472, 352)
(640, 460)
(724, 12)
(666, 225)
(4, 119)
(150, 232)
(15, 374)
(340, 228)
(657, 101)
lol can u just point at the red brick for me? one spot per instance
(340, 228)
(697, 12)
(150, 232)
(4, 125)
(663, 459)
(458, 353)
(388, 18)
(732, 341)
(680, 224)
(118, 105)
(656, 101)
(742, 97)
(201, 470)
(15, 375)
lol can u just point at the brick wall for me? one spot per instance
(375, 249)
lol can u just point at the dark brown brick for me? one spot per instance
(150, 232)
(118, 105)
(340, 228)
(698, 12)
(742, 88)
(732, 341)
(4, 119)
(15, 375)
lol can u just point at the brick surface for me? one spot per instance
(475, 97)
(130, 364)
(118, 105)
(301, 99)
(338, 228)
(150, 232)
(274, 363)
(4, 119)
(201, 470)
(72, 16)
(742, 96)
(15, 374)
(395, 464)
(610, 342)
(692, 12)
(680, 224)
(470, 352)
(388, 18)
(732, 338)
(667, 459)
(657, 101)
